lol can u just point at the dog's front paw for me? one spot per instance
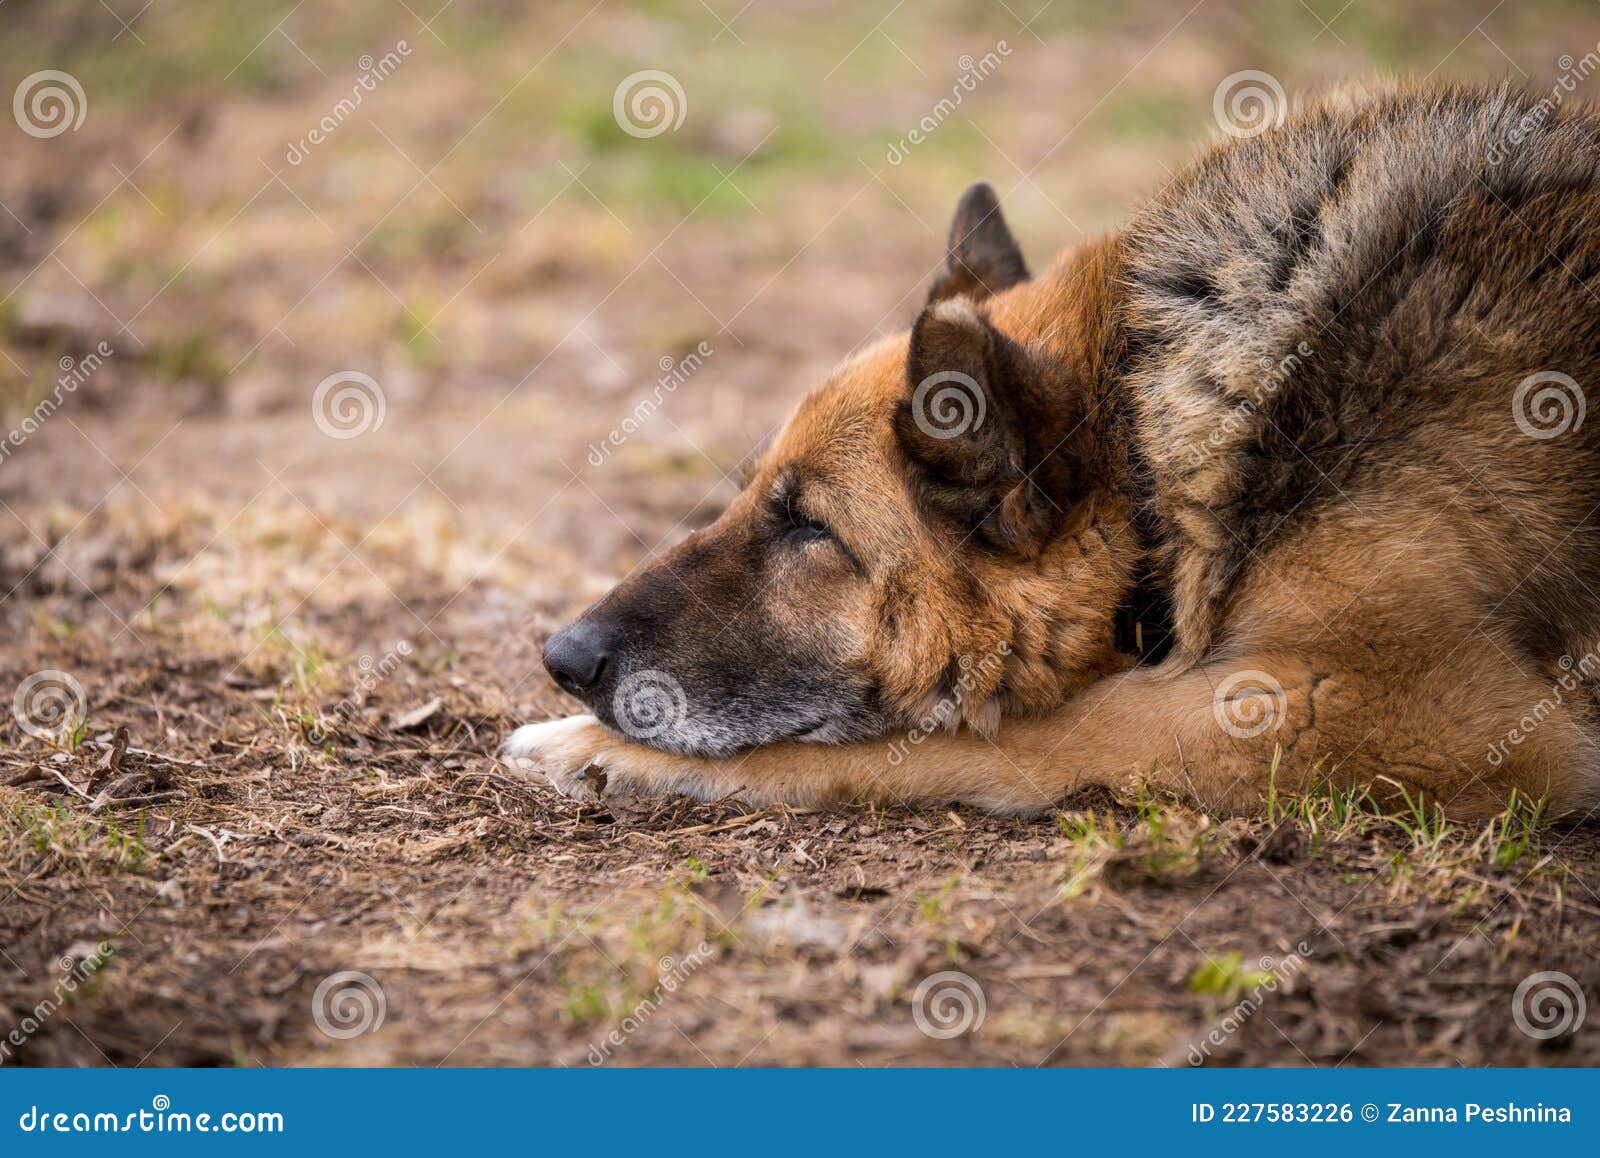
(566, 751)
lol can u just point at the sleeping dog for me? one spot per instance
(1286, 479)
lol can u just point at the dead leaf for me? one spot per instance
(111, 763)
(416, 717)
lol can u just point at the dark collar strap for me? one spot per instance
(1143, 626)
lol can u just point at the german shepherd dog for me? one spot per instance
(1286, 482)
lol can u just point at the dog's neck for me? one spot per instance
(1086, 604)
(1107, 610)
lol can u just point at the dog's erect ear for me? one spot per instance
(984, 258)
(978, 448)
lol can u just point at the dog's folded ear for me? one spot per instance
(983, 256)
(974, 441)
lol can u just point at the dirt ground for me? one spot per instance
(285, 632)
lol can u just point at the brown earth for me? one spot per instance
(314, 643)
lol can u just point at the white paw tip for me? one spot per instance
(528, 741)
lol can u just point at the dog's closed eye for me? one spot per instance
(797, 527)
(806, 531)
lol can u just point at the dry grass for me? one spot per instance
(267, 821)
(182, 540)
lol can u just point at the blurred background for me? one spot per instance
(462, 201)
(402, 329)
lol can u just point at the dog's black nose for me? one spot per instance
(576, 655)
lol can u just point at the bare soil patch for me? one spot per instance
(296, 652)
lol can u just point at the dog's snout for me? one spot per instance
(576, 655)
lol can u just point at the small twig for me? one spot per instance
(116, 788)
(140, 801)
(215, 843)
(70, 786)
(634, 832)
(158, 757)
(722, 826)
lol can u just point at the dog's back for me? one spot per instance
(1386, 311)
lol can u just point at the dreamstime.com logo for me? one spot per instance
(373, 672)
(348, 1004)
(649, 103)
(1573, 73)
(77, 970)
(673, 972)
(1272, 975)
(373, 72)
(160, 1118)
(946, 713)
(674, 373)
(1548, 1005)
(948, 404)
(973, 71)
(74, 373)
(1547, 405)
(648, 704)
(1248, 103)
(948, 1004)
(49, 103)
(348, 404)
(1575, 674)
(49, 704)
(1248, 703)
(1241, 416)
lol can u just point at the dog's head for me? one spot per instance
(930, 537)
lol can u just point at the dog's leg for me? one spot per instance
(1117, 731)
(1149, 725)
(584, 760)
(1216, 732)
